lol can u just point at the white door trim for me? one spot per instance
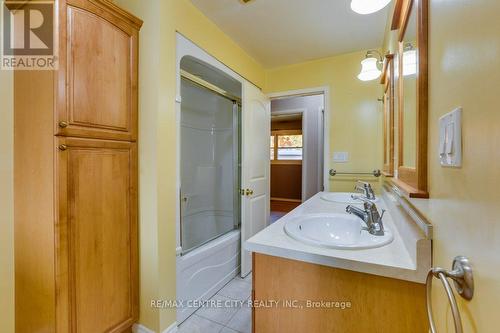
(304, 144)
(321, 155)
(325, 90)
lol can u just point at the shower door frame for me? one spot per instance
(185, 47)
(236, 148)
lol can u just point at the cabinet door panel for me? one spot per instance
(98, 204)
(99, 61)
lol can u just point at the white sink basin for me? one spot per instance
(343, 197)
(338, 231)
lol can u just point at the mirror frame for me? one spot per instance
(387, 80)
(413, 180)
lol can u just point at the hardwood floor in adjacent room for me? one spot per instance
(280, 208)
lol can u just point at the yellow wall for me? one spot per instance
(465, 71)
(353, 106)
(6, 203)
(162, 18)
(355, 114)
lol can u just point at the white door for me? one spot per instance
(255, 169)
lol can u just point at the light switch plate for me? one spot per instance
(340, 156)
(450, 139)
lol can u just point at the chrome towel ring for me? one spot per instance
(461, 274)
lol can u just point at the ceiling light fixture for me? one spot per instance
(368, 6)
(370, 66)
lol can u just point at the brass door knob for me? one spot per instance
(63, 124)
(248, 192)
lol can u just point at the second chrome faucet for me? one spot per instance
(366, 189)
(369, 214)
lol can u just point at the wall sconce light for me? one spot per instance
(368, 6)
(370, 66)
(409, 59)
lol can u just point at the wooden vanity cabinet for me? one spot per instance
(75, 178)
(376, 304)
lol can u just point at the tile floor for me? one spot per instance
(275, 216)
(227, 311)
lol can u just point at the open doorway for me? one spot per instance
(296, 151)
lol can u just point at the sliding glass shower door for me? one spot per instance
(209, 165)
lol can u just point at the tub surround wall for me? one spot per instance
(207, 170)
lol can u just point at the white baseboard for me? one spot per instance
(138, 328)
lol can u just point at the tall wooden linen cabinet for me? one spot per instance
(75, 139)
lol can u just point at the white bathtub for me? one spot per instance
(205, 270)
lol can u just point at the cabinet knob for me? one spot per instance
(63, 147)
(63, 124)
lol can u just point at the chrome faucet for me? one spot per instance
(369, 215)
(366, 189)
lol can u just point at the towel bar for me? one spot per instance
(461, 274)
(375, 173)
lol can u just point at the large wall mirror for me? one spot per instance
(388, 102)
(412, 98)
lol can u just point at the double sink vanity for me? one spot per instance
(343, 257)
(364, 271)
